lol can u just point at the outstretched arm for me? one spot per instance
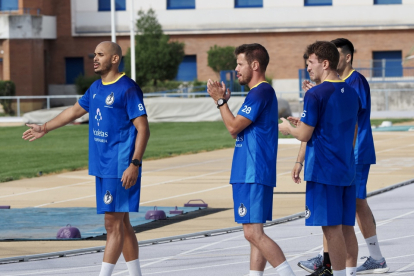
(233, 124)
(68, 115)
(130, 175)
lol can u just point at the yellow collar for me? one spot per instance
(334, 80)
(112, 82)
(258, 84)
(349, 74)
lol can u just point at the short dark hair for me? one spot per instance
(324, 50)
(345, 45)
(254, 52)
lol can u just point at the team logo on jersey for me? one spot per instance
(307, 212)
(242, 210)
(98, 116)
(303, 114)
(343, 90)
(110, 99)
(108, 198)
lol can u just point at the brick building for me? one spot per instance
(45, 44)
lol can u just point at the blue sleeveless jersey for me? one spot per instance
(255, 152)
(364, 145)
(112, 134)
(332, 108)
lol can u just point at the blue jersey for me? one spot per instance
(254, 159)
(364, 145)
(112, 134)
(332, 108)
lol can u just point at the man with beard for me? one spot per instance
(253, 174)
(118, 136)
(327, 128)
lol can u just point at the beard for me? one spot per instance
(105, 69)
(246, 79)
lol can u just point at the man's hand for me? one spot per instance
(284, 126)
(296, 172)
(218, 90)
(33, 133)
(130, 176)
(306, 85)
(294, 120)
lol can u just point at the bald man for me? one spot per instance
(118, 136)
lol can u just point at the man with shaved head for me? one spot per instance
(118, 136)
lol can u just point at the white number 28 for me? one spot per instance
(246, 109)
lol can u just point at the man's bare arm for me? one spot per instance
(130, 175)
(297, 168)
(233, 124)
(68, 115)
(302, 132)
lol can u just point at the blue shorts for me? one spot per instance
(253, 203)
(329, 205)
(361, 179)
(112, 197)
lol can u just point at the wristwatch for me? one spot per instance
(220, 102)
(136, 162)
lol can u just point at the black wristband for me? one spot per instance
(299, 163)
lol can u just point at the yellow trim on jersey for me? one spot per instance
(112, 82)
(349, 74)
(258, 84)
(334, 80)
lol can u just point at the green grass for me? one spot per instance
(66, 148)
(377, 122)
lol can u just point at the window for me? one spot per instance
(9, 5)
(248, 3)
(387, 64)
(187, 71)
(318, 2)
(74, 68)
(180, 4)
(387, 2)
(105, 5)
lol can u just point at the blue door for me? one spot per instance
(187, 71)
(387, 64)
(74, 67)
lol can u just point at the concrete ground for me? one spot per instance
(174, 181)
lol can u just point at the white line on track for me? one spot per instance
(53, 270)
(73, 199)
(48, 189)
(187, 165)
(406, 146)
(402, 269)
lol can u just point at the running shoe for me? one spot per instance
(322, 271)
(312, 264)
(373, 266)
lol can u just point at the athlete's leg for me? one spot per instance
(351, 245)
(253, 232)
(365, 218)
(337, 246)
(130, 246)
(114, 226)
(257, 260)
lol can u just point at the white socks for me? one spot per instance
(106, 269)
(284, 269)
(134, 268)
(373, 247)
(339, 272)
(351, 271)
(256, 273)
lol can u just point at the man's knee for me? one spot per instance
(331, 232)
(252, 233)
(361, 205)
(113, 223)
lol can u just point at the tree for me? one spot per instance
(221, 58)
(7, 88)
(156, 58)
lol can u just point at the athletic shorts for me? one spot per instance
(112, 197)
(329, 205)
(361, 179)
(253, 203)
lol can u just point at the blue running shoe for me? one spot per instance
(373, 266)
(311, 265)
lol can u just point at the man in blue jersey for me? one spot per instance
(364, 156)
(118, 136)
(253, 173)
(327, 127)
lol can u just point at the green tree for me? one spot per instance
(221, 58)
(156, 58)
(7, 88)
(83, 83)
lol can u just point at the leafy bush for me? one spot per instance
(221, 58)
(83, 83)
(7, 88)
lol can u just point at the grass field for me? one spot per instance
(66, 149)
